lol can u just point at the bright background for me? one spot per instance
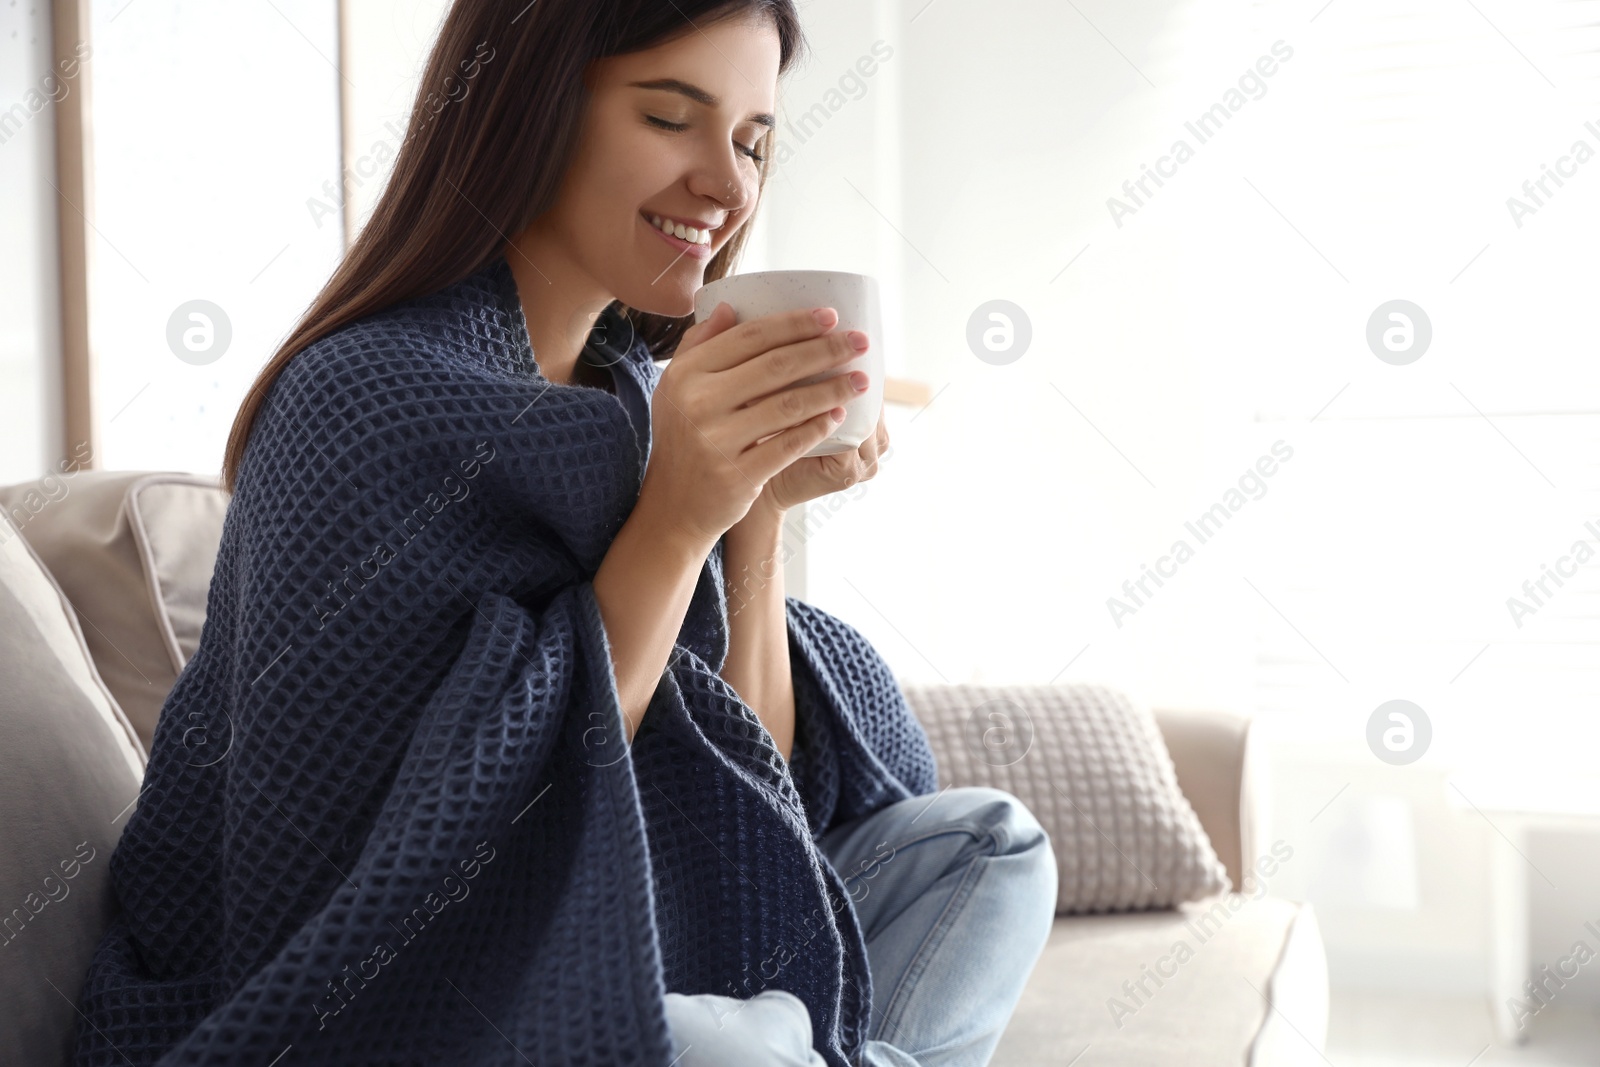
(1170, 349)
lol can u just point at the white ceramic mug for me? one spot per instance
(853, 296)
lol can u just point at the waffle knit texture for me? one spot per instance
(391, 815)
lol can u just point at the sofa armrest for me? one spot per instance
(1220, 775)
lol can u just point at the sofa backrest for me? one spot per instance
(1222, 774)
(134, 552)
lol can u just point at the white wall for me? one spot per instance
(387, 44)
(1178, 346)
(30, 331)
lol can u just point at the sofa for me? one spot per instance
(103, 580)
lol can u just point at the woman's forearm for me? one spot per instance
(643, 587)
(757, 666)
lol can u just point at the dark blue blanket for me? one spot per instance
(391, 816)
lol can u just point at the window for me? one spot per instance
(215, 212)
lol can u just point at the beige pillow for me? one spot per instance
(70, 770)
(134, 552)
(1095, 772)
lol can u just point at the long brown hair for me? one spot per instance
(477, 168)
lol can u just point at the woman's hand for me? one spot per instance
(810, 477)
(727, 415)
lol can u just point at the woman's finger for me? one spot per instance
(709, 327)
(875, 445)
(747, 341)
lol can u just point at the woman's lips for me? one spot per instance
(679, 244)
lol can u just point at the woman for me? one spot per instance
(472, 764)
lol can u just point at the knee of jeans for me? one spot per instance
(1014, 831)
(1013, 828)
(1044, 856)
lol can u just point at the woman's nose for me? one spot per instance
(725, 188)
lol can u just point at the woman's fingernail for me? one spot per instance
(858, 380)
(838, 414)
(858, 340)
(825, 317)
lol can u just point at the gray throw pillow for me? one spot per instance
(70, 770)
(1093, 769)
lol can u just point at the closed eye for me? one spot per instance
(679, 127)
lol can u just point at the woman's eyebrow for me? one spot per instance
(697, 94)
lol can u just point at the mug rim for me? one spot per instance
(789, 274)
(871, 280)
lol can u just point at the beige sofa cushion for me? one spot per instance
(1211, 1005)
(72, 772)
(134, 552)
(1095, 772)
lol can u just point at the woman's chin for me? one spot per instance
(674, 302)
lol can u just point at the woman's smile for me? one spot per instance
(696, 244)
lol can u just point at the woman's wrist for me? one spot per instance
(762, 524)
(663, 524)
(757, 663)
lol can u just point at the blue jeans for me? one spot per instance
(955, 893)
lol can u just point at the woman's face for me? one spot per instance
(668, 135)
